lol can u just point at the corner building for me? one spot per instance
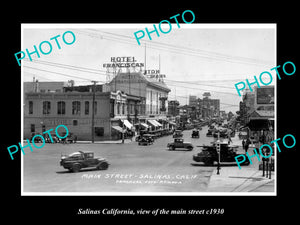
(43, 111)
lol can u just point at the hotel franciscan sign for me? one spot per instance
(121, 62)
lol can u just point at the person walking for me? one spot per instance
(247, 143)
(243, 143)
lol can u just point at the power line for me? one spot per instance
(181, 49)
(83, 69)
(61, 74)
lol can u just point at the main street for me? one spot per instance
(133, 168)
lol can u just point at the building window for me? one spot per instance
(61, 108)
(112, 108)
(32, 128)
(75, 122)
(123, 108)
(76, 108)
(46, 107)
(95, 107)
(99, 131)
(86, 107)
(30, 110)
(118, 108)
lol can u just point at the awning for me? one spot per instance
(259, 124)
(127, 124)
(118, 128)
(144, 125)
(152, 122)
(158, 124)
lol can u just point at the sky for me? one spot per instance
(195, 58)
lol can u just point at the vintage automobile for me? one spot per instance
(177, 134)
(147, 136)
(223, 133)
(37, 139)
(179, 143)
(195, 134)
(71, 138)
(145, 141)
(210, 133)
(209, 154)
(78, 160)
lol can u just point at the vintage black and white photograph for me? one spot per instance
(118, 109)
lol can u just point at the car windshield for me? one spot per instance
(75, 154)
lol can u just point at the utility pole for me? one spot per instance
(93, 112)
(219, 153)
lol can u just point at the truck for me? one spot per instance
(78, 160)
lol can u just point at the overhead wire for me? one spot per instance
(181, 49)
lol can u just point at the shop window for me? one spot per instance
(99, 131)
(32, 128)
(46, 107)
(61, 108)
(75, 122)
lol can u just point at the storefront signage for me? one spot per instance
(125, 61)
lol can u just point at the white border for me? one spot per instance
(131, 26)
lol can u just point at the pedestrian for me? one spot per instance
(247, 143)
(243, 143)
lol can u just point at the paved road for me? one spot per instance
(133, 168)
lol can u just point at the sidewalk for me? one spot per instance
(126, 141)
(233, 179)
(246, 179)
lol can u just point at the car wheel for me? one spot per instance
(76, 168)
(190, 148)
(102, 166)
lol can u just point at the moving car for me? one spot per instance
(78, 160)
(210, 133)
(177, 134)
(149, 137)
(179, 143)
(146, 140)
(195, 134)
(209, 154)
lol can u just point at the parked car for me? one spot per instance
(179, 143)
(71, 138)
(37, 139)
(54, 137)
(209, 154)
(149, 137)
(78, 160)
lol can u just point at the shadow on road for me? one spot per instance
(80, 171)
(215, 164)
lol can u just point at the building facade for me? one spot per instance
(44, 111)
(153, 95)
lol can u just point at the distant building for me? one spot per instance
(173, 108)
(210, 107)
(193, 100)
